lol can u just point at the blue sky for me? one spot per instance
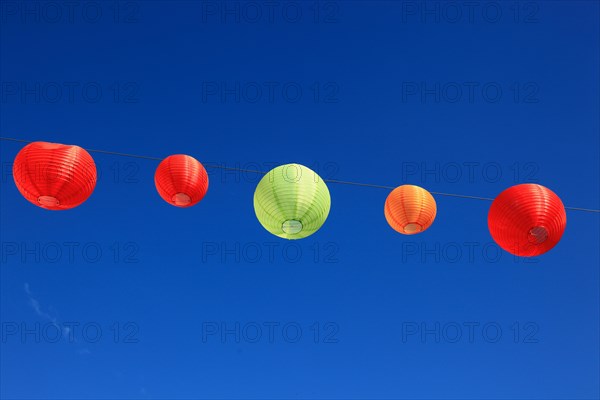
(128, 297)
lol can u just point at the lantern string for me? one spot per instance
(392, 188)
(210, 166)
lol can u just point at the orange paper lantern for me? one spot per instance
(54, 176)
(527, 220)
(181, 180)
(410, 209)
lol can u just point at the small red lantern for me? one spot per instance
(54, 176)
(527, 220)
(181, 180)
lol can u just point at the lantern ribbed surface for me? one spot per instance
(181, 180)
(292, 201)
(527, 220)
(54, 176)
(410, 209)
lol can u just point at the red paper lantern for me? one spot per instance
(54, 176)
(181, 180)
(527, 220)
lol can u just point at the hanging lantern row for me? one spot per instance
(291, 201)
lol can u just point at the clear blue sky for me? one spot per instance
(460, 100)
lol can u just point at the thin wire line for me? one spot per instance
(358, 184)
(392, 188)
(114, 153)
(462, 196)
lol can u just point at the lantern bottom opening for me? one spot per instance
(181, 199)
(48, 201)
(412, 228)
(537, 235)
(291, 226)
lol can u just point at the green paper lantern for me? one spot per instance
(292, 201)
